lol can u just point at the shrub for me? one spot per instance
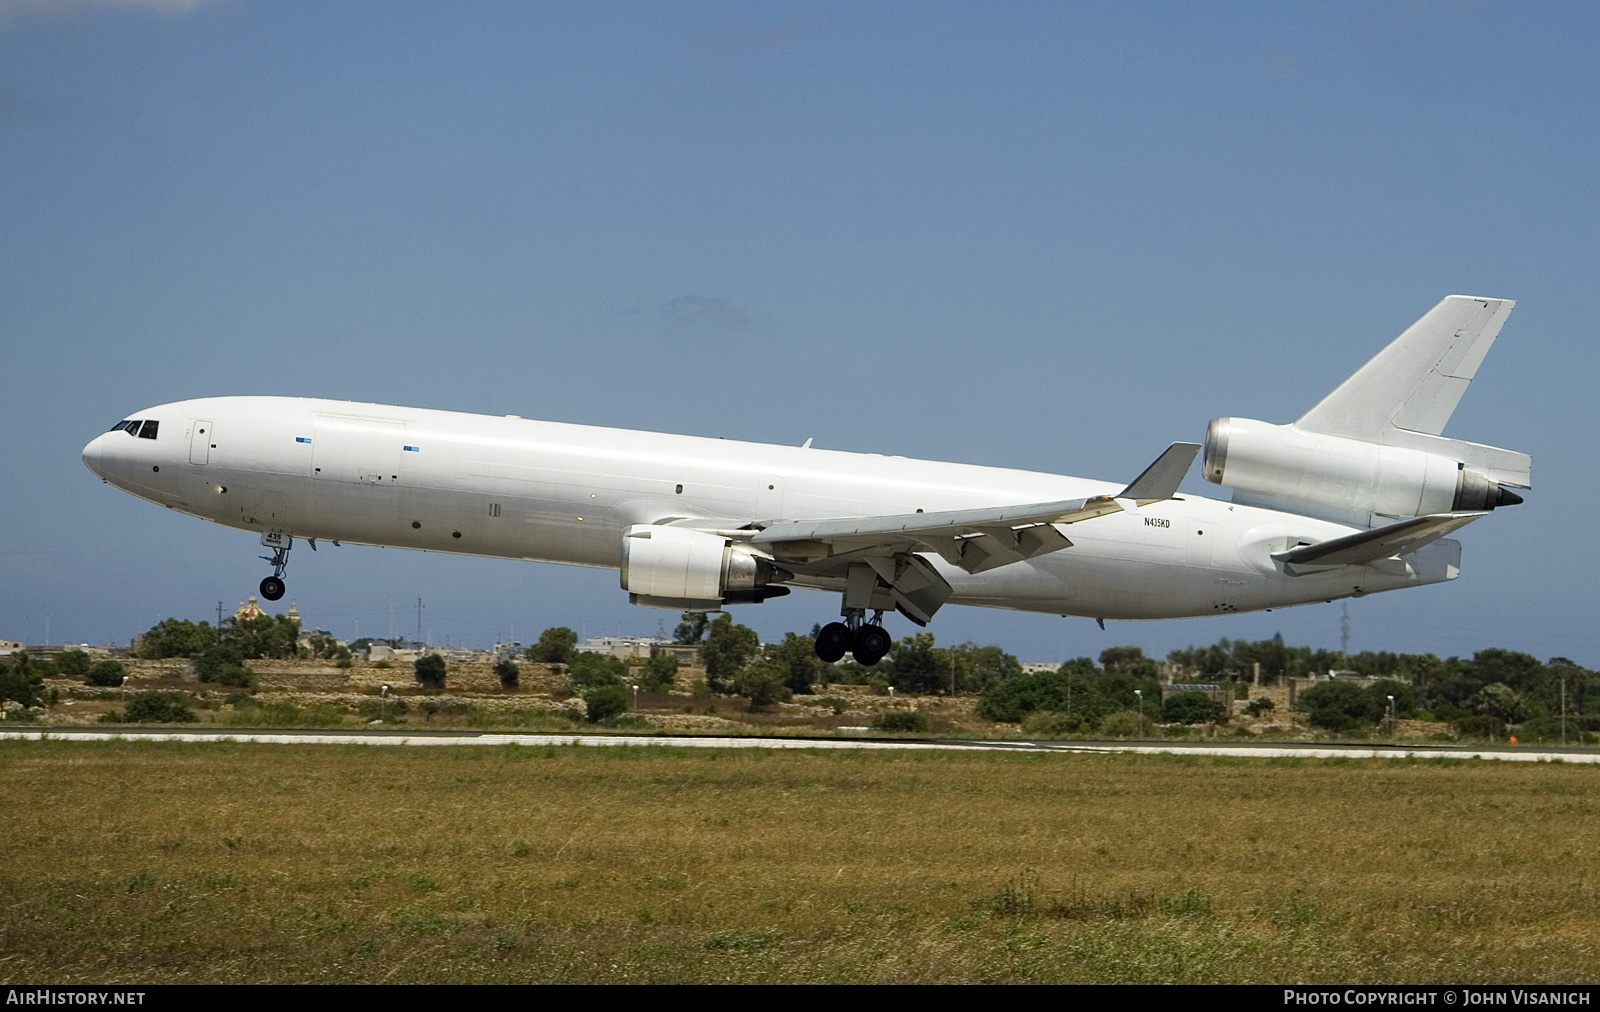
(223, 665)
(660, 672)
(73, 663)
(1122, 724)
(603, 702)
(431, 671)
(764, 681)
(1186, 708)
(588, 670)
(835, 704)
(21, 680)
(106, 674)
(390, 710)
(1052, 724)
(1337, 705)
(1256, 707)
(1481, 726)
(507, 671)
(900, 720)
(159, 708)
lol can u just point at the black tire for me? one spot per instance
(832, 641)
(272, 588)
(872, 644)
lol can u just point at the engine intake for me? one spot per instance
(680, 569)
(1283, 460)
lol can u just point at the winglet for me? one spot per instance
(1161, 479)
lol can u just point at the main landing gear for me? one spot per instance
(867, 641)
(272, 586)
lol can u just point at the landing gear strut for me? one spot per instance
(272, 586)
(867, 640)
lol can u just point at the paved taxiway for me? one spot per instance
(389, 737)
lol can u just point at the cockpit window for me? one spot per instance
(128, 425)
(148, 429)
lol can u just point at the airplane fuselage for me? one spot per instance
(561, 493)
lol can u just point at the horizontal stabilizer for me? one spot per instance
(1381, 543)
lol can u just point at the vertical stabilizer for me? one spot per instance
(1416, 382)
(1406, 394)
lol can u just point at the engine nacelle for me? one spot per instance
(687, 570)
(1283, 460)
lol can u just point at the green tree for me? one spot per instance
(587, 669)
(106, 674)
(1128, 661)
(1339, 705)
(914, 668)
(1500, 701)
(224, 665)
(602, 702)
(660, 672)
(1076, 688)
(1186, 708)
(976, 668)
(728, 647)
(73, 663)
(172, 637)
(764, 681)
(507, 671)
(273, 636)
(798, 655)
(554, 646)
(22, 680)
(692, 629)
(431, 670)
(322, 647)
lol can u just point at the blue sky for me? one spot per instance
(1048, 236)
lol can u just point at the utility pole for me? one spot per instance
(1563, 706)
(1344, 632)
(419, 620)
(219, 614)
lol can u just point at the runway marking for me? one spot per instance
(870, 744)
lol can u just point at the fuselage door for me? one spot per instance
(201, 441)
(364, 450)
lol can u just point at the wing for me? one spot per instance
(976, 540)
(1381, 543)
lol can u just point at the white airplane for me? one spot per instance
(1351, 499)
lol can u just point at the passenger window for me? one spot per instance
(148, 430)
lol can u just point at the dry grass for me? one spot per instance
(216, 863)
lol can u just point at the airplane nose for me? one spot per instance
(92, 455)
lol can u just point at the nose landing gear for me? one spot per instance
(272, 587)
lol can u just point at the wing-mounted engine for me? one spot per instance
(1348, 474)
(682, 569)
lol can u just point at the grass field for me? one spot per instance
(237, 863)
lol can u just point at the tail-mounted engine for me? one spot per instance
(680, 569)
(1350, 474)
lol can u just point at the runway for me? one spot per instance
(1241, 750)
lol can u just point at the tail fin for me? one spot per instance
(1406, 394)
